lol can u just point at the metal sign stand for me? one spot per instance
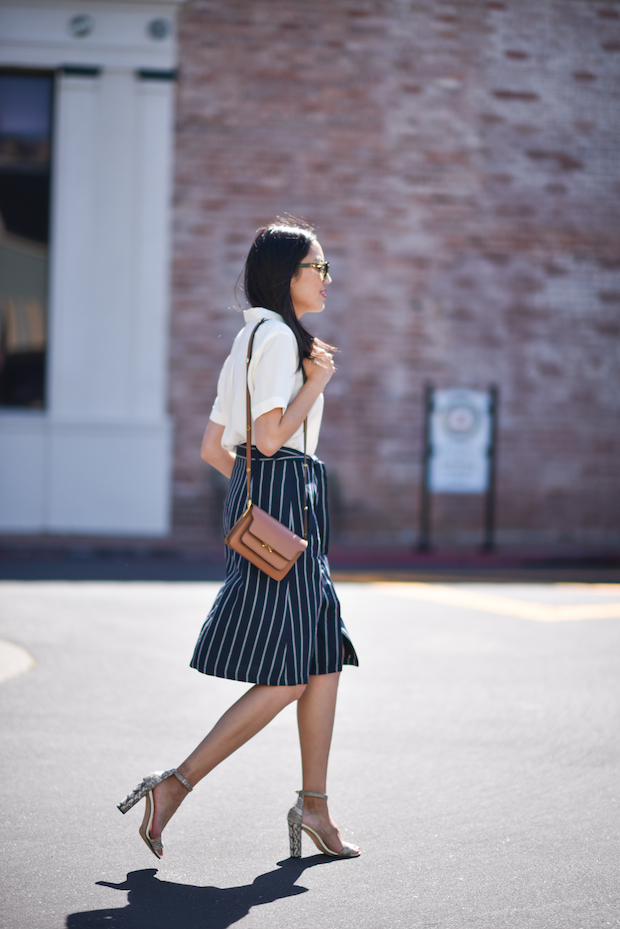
(424, 541)
(489, 508)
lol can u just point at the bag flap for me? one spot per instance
(268, 530)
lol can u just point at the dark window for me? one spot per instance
(25, 152)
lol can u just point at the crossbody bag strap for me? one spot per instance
(305, 477)
(248, 419)
(248, 437)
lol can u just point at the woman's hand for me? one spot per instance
(320, 367)
(272, 430)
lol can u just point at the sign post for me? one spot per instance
(425, 498)
(459, 451)
(489, 510)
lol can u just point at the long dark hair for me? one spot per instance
(273, 261)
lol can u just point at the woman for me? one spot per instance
(286, 637)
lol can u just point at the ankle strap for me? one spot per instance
(183, 780)
(311, 793)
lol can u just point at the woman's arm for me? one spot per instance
(272, 430)
(212, 452)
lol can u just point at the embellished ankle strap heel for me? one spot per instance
(147, 784)
(145, 789)
(295, 825)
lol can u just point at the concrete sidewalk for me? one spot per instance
(475, 760)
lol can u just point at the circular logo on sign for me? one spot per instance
(461, 421)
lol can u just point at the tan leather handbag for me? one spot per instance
(256, 535)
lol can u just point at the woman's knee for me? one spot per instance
(297, 691)
(282, 693)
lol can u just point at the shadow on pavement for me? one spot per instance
(155, 904)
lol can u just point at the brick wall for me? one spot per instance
(460, 161)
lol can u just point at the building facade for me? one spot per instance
(459, 161)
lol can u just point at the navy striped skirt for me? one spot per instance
(276, 632)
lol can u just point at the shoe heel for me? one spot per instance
(131, 799)
(294, 839)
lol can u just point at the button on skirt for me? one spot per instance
(277, 632)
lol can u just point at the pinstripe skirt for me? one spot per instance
(276, 632)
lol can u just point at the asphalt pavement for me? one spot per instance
(475, 760)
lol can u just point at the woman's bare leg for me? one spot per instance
(315, 717)
(257, 707)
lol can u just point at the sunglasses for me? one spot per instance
(321, 266)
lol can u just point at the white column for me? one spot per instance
(109, 448)
(153, 183)
(73, 245)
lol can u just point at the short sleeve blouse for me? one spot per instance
(274, 381)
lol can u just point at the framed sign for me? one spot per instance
(460, 435)
(460, 428)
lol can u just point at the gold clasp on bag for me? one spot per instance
(248, 507)
(264, 545)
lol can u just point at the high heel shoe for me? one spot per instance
(145, 789)
(295, 825)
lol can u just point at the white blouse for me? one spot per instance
(274, 381)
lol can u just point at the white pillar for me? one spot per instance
(154, 137)
(74, 243)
